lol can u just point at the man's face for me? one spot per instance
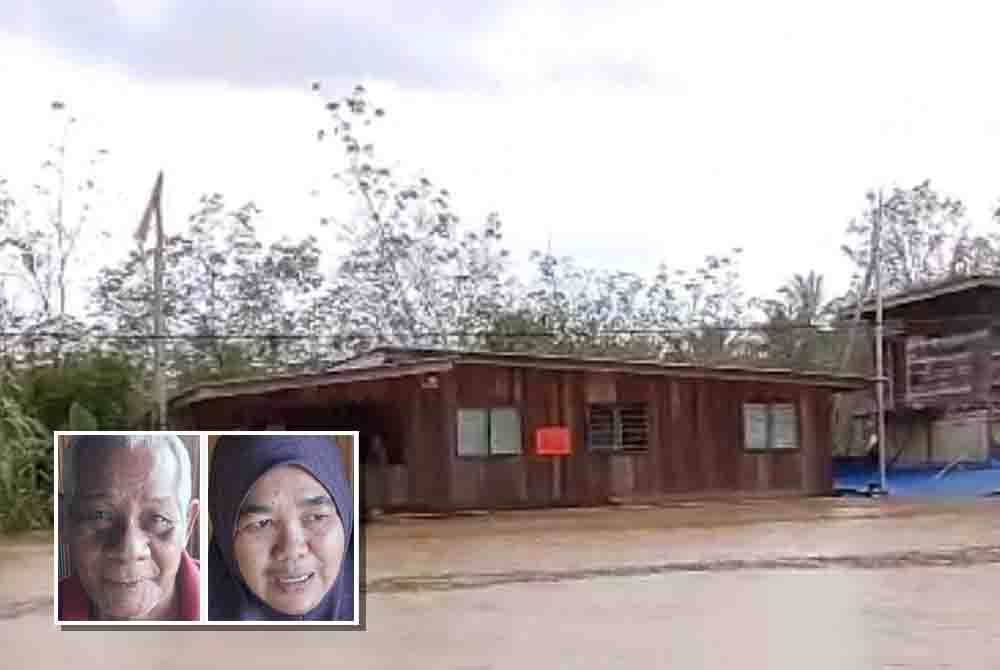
(127, 530)
(289, 540)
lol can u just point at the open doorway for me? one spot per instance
(375, 422)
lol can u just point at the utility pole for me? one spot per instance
(158, 381)
(879, 345)
(154, 208)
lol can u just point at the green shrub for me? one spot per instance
(25, 465)
(80, 418)
(104, 385)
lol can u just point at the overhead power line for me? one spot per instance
(892, 327)
(571, 332)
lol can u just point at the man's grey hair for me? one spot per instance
(79, 444)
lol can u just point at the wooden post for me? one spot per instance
(845, 360)
(556, 479)
(160, 388)
(879, 345)
(154, 209)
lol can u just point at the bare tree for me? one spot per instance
(44, 231)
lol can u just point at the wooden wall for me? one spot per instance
(695, 439)
(408, 417)
(695, 436)
(959, 363)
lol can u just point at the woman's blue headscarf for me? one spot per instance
(237, 463)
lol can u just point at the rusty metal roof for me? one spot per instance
(930, 291)
(394, 362)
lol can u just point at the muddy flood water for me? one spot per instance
(790, 584)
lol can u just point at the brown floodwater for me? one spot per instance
(568, 540)
(783, 585)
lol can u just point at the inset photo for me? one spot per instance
(282, 507)
(127, 527)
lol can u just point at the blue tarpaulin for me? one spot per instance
(936, 481)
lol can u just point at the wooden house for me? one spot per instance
(450, 430)
(942, 358)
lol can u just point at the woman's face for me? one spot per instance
(289, 540)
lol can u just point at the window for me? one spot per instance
(489, 432)
(617, 427)
(770, 426)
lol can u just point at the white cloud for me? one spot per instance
(142, 14)
(631, 134)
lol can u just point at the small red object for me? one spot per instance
(552, 441)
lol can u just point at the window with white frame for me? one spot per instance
(494, 431)
(617, 427)
(770, 426)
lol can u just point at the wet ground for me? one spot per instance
(791, 584)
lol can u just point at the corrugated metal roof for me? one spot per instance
(389, 362)
(930, 292)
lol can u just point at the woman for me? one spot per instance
(282, 530)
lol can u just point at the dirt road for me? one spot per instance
(814, 584)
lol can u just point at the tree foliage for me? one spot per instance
(104, 385)
(406, 270)
(926, 237)
(25, 463)
(795, 315)
(219, 280)
(411, 269)
(41, 234)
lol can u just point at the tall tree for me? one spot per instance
(794, 316)
(925, 237)
(713, 309)
(45, 229)
(616, 312)
(982, 252)
(411, 270)
(804, 299)
(549, 299)
(12, 317)
(221, 286)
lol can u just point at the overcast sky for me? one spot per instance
(628, 132)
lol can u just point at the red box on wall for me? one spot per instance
(552, 441)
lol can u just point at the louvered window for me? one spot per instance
(617, 427)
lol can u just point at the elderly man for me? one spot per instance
(130, 515)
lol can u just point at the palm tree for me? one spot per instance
(804, 299)
(801, 306)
